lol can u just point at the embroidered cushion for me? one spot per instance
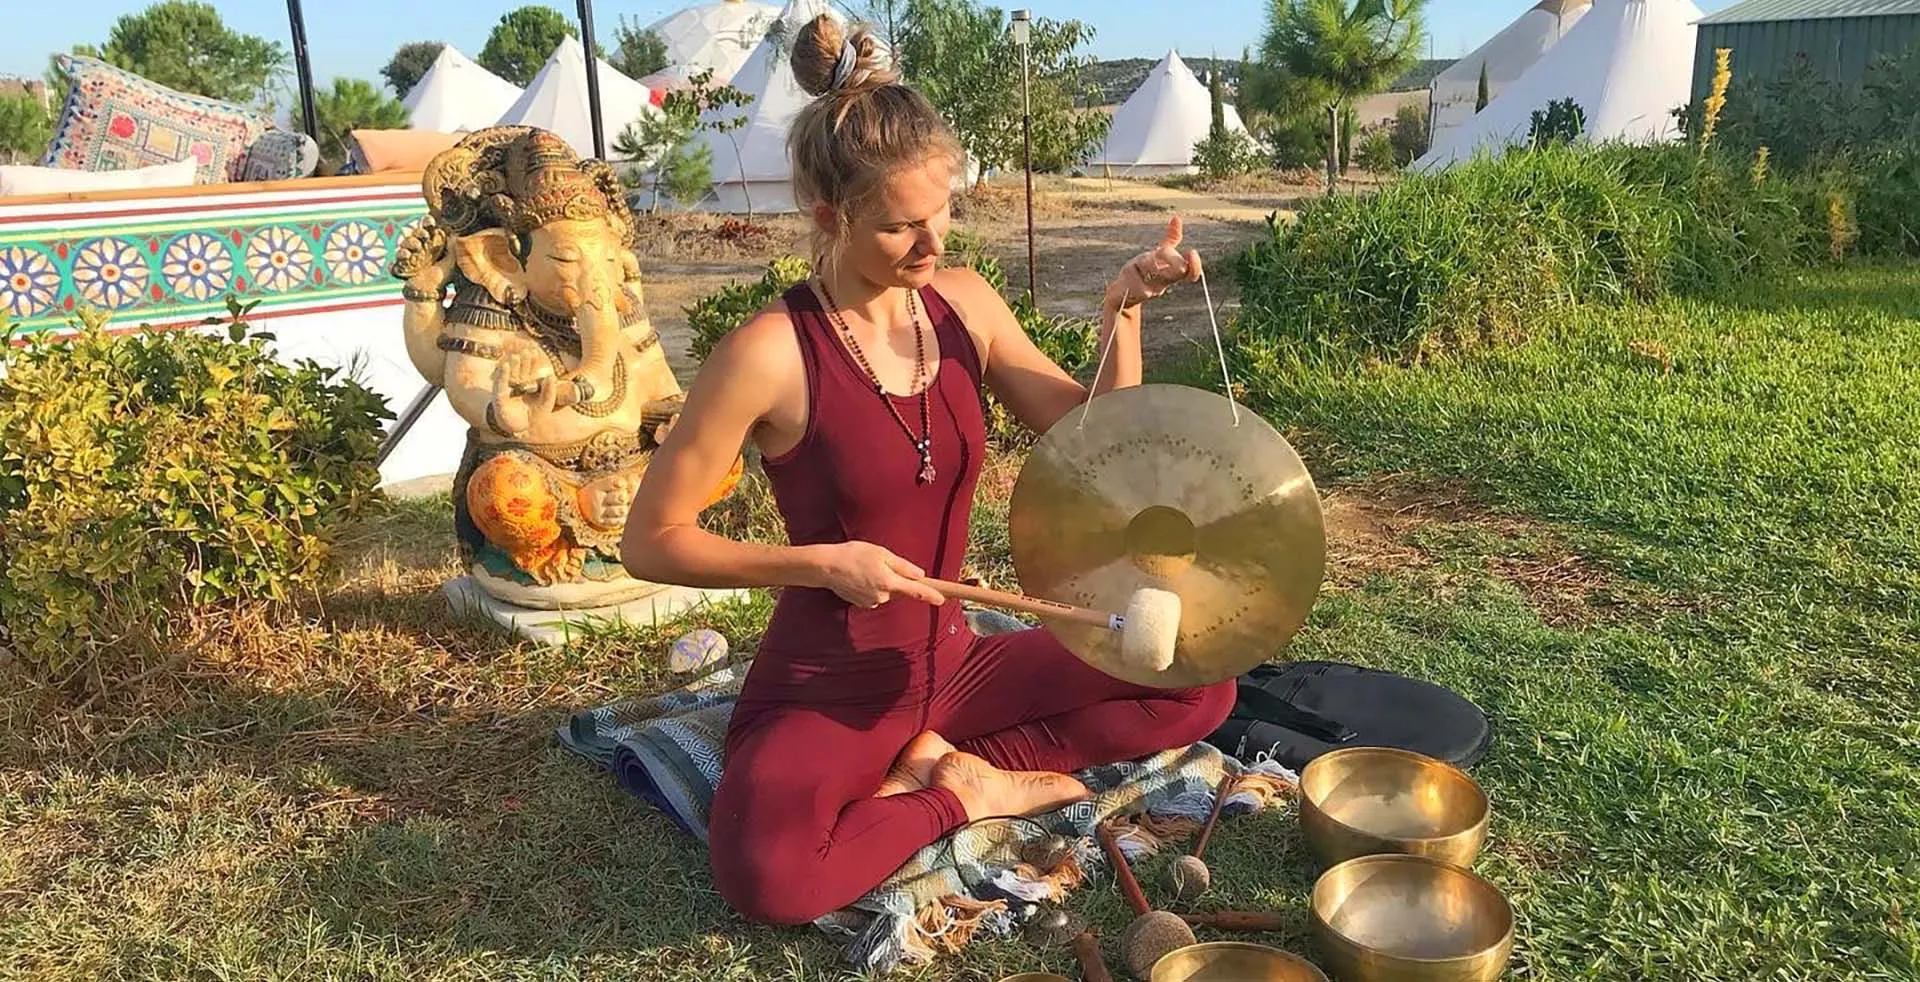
(281, 155)
(116, 120)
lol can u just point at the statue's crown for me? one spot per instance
(546, 183)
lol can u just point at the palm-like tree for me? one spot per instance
(1343, 50)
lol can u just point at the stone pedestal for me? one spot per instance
(553, 628)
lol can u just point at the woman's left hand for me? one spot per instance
(1155, 271)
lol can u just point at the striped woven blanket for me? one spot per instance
(667, 750)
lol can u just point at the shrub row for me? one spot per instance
(1474, 254)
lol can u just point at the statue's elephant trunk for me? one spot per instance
(600, 306)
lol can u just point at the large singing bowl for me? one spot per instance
(1233, 961)
(1396, 918)
(1360, 801)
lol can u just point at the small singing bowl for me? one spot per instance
(1362, 801)
(1398, 918)
(1233, 961)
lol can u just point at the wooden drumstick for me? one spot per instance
(1188, 876)
(1148, 630)
(1238, 920)
(1151, 933)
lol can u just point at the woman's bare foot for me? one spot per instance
(913, 769)
(986, 791)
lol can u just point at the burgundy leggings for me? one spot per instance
(795, 831)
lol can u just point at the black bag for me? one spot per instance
(1295, 712)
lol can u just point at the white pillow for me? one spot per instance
(22, 179)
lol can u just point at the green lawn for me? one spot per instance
(1708, 754)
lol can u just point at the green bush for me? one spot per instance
(1471, 255)
(712, 316)
(144, 477)
(1375, 152)
(1229, 153)
(1410, 125)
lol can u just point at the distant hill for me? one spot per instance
(1117, 78)
(1421, 74)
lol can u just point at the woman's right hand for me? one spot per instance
(866, 575)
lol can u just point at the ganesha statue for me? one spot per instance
(524, 304)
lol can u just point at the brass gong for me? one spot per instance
(1157, 486)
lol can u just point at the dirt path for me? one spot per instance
(1084, 230)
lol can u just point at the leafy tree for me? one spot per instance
(1218, 124)
(183, 44)
(637, 52)
(963, 58)
(25, 129)
(352, 104)
(1480, 99)
(1346, 48)
(662, 142)
(409, 65)
(523, 41)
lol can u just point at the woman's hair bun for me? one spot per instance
(818, 50)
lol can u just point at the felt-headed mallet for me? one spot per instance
(1149, 629)
(1188, 875)
(1151, 933)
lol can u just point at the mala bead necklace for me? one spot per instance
(923, 444)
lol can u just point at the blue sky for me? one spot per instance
(356, 37)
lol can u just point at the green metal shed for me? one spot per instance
(1838, 38)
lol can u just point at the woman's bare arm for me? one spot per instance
(738, 386)
(751, 375)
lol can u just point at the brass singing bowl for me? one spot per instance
(1399, 918)
(1233, 961)
(1359, 801)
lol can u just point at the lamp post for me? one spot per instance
(1022, 34)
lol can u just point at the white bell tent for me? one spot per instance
(751, 171)
(557, 100)
(457, 95)
(1627, 64)
(1154, 131)
(717, 35)
(1505, 57)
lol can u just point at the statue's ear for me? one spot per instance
(487, 259)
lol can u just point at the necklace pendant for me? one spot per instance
(926, 469)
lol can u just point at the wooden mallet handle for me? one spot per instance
(1123, 872)
(1213, 817)
(1020, 602)
(1093, 968)
(1238, 920)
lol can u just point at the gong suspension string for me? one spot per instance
(1226, 379)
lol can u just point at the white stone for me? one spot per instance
(553, 628)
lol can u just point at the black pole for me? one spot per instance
(593, 80)
(1026, 128)
(304, 69)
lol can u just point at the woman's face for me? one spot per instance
(898, 239)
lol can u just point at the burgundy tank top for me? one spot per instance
(854, 476)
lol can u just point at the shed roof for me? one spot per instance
(1770, 10)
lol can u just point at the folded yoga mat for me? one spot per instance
(667, 750)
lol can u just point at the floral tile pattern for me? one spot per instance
(176, 269)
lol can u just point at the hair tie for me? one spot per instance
(843, 69)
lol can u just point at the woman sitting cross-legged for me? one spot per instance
(873, 721)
